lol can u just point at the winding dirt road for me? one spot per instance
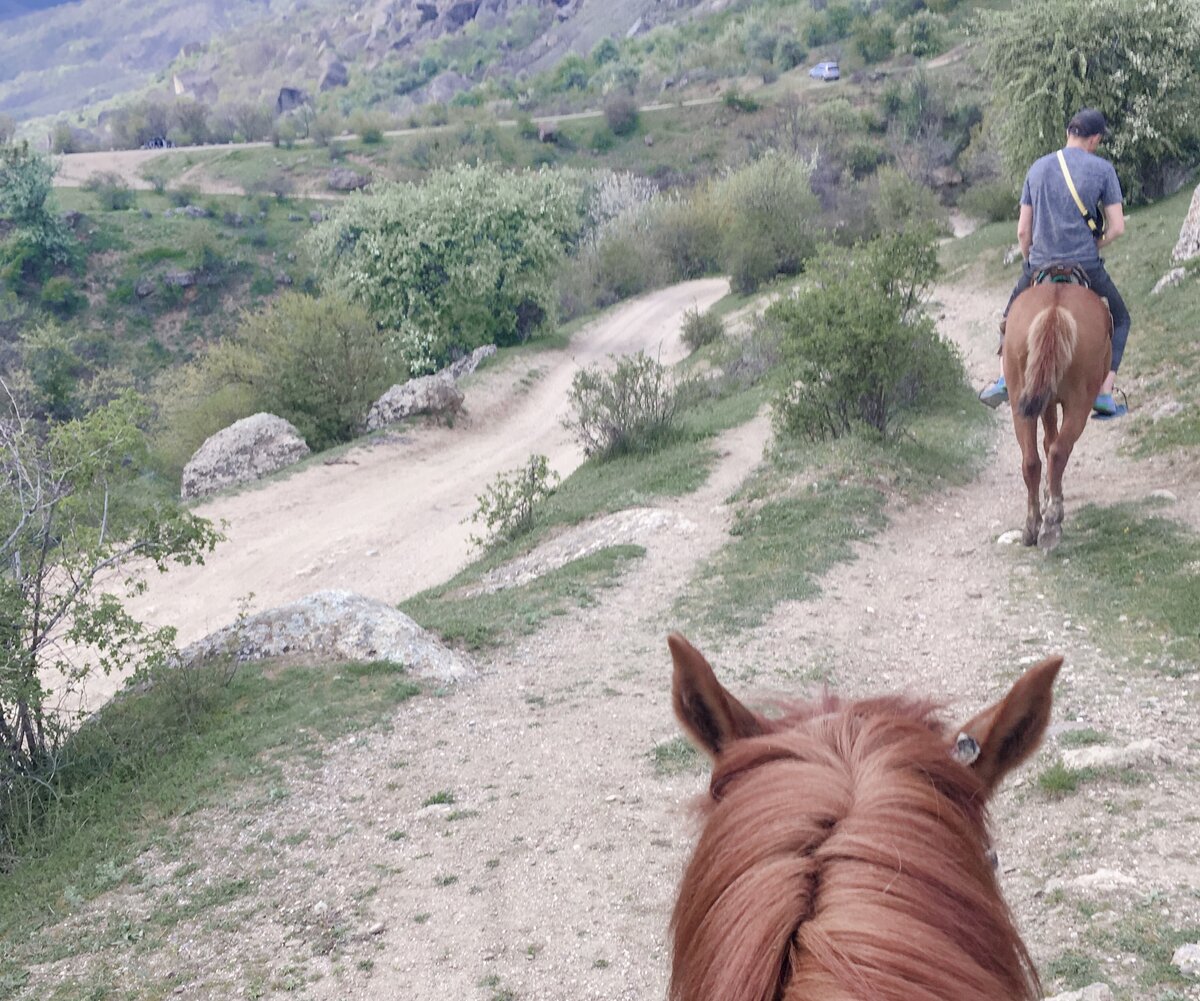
(386, 520)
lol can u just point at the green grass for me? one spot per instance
(485, 620)
(1146, 936)
(1072, 970)
(1057, 780)
(786, 537)
(1087, 737)
(675, 756)
(1130, 574)
(154, 756)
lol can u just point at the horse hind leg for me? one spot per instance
(1031, 471)
(1057, 456)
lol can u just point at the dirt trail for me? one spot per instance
(553, 872)
(386, 520)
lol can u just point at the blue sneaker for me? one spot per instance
(1105, 405)
(995, 394)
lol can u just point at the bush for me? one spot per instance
(507, 506)
(319, 363)
(325, 127)
(61, 297)
(857, 346)
(368, 126)
(789, 52)
(184, 195)
(110, 190)
(621, 113)
(700, 329)
(735, 100)
(686, 235)
(467, 258)
(991, 201)
(629, 409)
(768, 212)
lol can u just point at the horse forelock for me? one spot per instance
(843, 855)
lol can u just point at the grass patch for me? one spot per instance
(1072, 970)
(1087, 737)
(675, 756)
(801, 513)
(1131, 575)
(180, 746)
(443, 797)
(1057, 780)
(1145, 935)
(485, 620)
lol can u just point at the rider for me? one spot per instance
(1052, 230)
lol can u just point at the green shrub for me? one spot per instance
(368, 126)
(507, 506)
(700, 329)
(467, 258)
(991, 201)
(769, 218)
(922, 35)
(326, 126)
(686, 233)
(184, 195)
(61, 297)
(789, 52)
(875, 37)
(621, 113)
(735, 100)
(903, 203)
(857, 346)
(319, 363)
(110, 190)
(54, 370)
(630, 409)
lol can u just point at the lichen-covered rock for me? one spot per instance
(1171, 278)
(436, 395)
(246, 450)
(340, 626)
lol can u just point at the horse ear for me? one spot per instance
(1007, 733)
(711, 716)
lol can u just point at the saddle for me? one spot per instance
(1062, 273)
(1068, 273)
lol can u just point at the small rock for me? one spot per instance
(1170, 279)
(1010, 538)
(1140, 752)
(1012, 255)
(320, 908)
(649, 140)
(378, 928)
(345, 179)
(1164, 495)
(283, 278)
(1187, 958)
(1101, 879)
(1093, 992)
(316, 215)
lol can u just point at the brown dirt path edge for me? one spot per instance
(552, 874)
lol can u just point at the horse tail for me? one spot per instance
(1052, 338)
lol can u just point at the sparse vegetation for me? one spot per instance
(628, 409)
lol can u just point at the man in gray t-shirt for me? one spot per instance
(1051, 229)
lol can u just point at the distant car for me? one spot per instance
(825, 71)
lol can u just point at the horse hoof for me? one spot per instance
(1049, 537)
(1029, 537)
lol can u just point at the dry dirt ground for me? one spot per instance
(552, 874)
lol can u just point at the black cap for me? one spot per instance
(1086, 123)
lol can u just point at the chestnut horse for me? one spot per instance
(1057, 351)
(844, 854)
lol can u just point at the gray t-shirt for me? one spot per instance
(1060, 232)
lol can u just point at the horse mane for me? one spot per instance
(843, 857)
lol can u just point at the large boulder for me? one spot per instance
(247, 450)
(468, 363)
(435, 395)
(289, 98)
(1189, 234)
(337, 626)
(345, 179)
(334, 75)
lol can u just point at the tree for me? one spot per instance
(77, 528)
(465, 259)
(1137, 62)
(39, 239)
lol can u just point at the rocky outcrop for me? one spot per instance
(345, 179)
(1188, 245)
(435, 395)
(247, 450)
(1169, 280)
(466, 365)
(289, 98)
(335, 74)
(337, 626)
